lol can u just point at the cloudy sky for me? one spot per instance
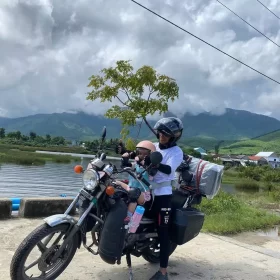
(49, 49)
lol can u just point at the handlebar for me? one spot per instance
(127, 170)
(130, 172)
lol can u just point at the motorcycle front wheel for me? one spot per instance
(151, 253)
(48, 270)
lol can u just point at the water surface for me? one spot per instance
(52, 179)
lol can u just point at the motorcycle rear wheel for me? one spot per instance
(151, 256)
(17, 267)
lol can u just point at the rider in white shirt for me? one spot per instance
(169, 130)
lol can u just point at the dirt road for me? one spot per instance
(206, 257)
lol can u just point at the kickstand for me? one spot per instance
(128, 260)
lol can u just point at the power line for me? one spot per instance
(268, 8)
(204, 41)
(248, 23)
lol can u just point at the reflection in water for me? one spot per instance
(53, 179)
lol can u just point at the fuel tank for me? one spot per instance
(113, 234)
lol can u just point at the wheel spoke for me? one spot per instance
(58, 238)
(31, 265)
(48, 263)
(48, 239)
(42, 247)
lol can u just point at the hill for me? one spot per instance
(204, 129)
(272, 136)
(267, 142)
(233, 125)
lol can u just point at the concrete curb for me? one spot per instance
(43, 206)
(5, 208)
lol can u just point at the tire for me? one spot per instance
(28, 244)
(153, 257)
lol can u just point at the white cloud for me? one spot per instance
(49, 49)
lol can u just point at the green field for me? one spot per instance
(208, 143)
(269, 142)
(266, 142)
(25, 155)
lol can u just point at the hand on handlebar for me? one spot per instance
(147, 161)
(125, 162)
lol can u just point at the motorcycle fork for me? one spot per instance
(74, 229)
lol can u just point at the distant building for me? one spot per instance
(201, 151)
(271, 157)
(257, 160)
(234, 160)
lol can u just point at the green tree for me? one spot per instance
(2, 132)
(39, 139)
(12, 135)
(24, 138)
(128, 88)
(18, 135)
(48, 138)
(32, 135)
(58, 140)
(130, 144)
(217, 147)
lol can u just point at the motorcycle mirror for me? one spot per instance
(103, 156)
(156, 158)
(103, 135)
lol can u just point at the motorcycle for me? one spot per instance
(102, 209)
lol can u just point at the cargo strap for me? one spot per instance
(199, 173)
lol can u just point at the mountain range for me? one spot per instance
(232, 125)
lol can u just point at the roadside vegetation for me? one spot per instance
(254, 205)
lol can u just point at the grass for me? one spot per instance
(231, 177)
(16, 155)
(263, 200)
(234, 177)
(250, 208)
(65, 149)
(26, 155)
(21, 158)
(227, 214)
(247, 185)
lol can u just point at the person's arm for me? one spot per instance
(175, 160)
(164, 168)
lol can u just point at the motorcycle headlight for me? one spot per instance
(90, 179)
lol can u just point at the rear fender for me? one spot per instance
(58, 219)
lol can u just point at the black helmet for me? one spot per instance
(172, 127)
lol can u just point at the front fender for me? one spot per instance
(58, 219)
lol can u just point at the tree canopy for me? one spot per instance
(135, 95)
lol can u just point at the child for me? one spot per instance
(143, 149)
